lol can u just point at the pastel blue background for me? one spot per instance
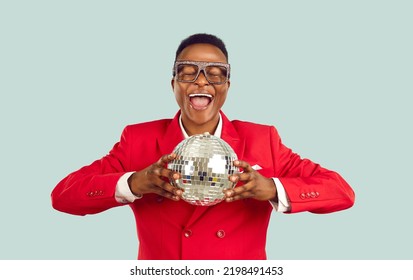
(335, 78)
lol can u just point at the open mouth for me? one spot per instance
(200, 101)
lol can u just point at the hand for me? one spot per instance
(152, 180)
(255, 185)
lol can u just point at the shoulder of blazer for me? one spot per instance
(250, 129)
(151, 128)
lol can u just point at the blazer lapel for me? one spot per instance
(171, 137)
(231, 136)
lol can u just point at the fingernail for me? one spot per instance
(229, 193)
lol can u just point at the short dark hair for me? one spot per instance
(202, 38)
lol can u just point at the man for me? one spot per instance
(134, 173)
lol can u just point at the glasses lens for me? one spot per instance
(187, 72)
(216, 74)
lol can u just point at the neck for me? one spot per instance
(192, 128)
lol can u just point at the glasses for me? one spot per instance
(188, 71)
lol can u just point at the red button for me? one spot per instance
(187, 233)
(221, 233)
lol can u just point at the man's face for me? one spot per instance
(200, 101)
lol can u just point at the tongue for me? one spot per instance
(199, 102)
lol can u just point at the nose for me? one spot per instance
(201, 80)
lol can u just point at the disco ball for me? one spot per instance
(204, 162)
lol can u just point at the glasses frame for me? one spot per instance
(201, 67)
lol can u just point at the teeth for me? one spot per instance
(200, 95)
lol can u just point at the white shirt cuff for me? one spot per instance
(283, 205)
(123, 194)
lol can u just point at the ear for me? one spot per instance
(229, 83)
(173, 84)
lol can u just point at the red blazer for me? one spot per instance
(177, 230)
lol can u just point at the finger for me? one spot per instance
(165, 193)
(248, 187)
(164, 189)
(244, 165)
(162, 184)
(165, 159)
(166, 173)
(244, 177)
(242, 195)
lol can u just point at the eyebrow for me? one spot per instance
(202, 62)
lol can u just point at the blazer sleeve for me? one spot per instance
(91, 189)
(309, 186)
